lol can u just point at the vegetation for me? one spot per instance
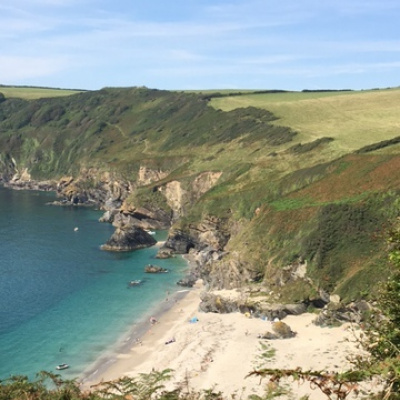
(49, 386)
(33, 92)
(353, 118)
(380, 339)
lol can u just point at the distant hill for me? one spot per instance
(34, 92)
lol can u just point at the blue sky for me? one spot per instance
(201, 44)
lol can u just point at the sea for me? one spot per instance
(62, 299)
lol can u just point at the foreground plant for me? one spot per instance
(47, 386)
(142, 387)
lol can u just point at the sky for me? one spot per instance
(201, 44)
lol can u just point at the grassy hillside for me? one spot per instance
(353, 119)
(119, 128)
(305, 176)
(32, 93)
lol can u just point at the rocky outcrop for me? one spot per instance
(226, 301)
(93, 187)
(187, 281)
(335, 312)
(154, 269)
(210, 235)
(221, 270)
(128, 239)
(165, 253)
(22, 180)
(148, 175)
(204, 182)
(179, 242)
(146, 218)
(280, 330)
(46, 186)
(176, 197)
(109, 193)
(181, 196)
(212, 232)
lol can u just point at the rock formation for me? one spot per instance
(127, 239)
(154, 269)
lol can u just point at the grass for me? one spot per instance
(33, 93)
(354, 119)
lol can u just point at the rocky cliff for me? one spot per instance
(210, 244)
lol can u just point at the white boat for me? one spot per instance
(62, 366)
(135, 282)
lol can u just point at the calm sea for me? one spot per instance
(62, 299)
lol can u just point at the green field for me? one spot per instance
(32, 93)
(353, 118)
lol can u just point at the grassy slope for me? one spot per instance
(118, 128)
(319, 201)
(32, 93)
(355, 119)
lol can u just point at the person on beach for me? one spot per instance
(153, 320)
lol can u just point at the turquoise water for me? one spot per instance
(62, 299)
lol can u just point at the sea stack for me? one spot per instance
(127, 239)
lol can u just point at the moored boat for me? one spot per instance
(135, 282)
(62, 366)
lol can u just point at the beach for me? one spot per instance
(218, 351)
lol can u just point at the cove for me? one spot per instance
(62, 299)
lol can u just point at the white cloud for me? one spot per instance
(21, 68)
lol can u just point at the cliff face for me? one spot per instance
(181, 197)
(225, 252)
(107, 192)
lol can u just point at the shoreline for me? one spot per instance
(218, 351)
(129, 339)
(111, 363)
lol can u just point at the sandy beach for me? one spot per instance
(219, 350)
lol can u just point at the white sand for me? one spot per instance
(220, 350)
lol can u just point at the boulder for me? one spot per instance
(280, 311)
(282, 330)
(337, 313)
(164, 254)
(217, 304)
(154, 269)
(187, 281)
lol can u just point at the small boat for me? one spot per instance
(62, 366)
(150, 232)
(135, 282)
